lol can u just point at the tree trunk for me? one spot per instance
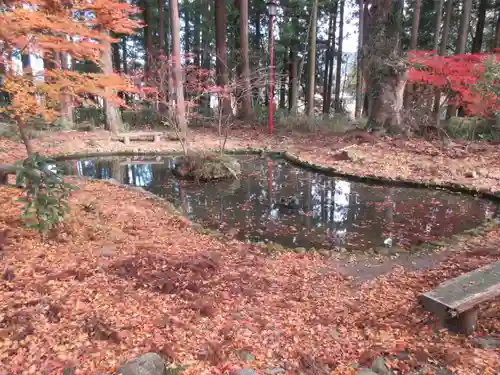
(442, 51)
(439, 19)
(338, 104)
(332, 57)
(124, 55)
(246, 111)
(116, 55)
(187, 32)
(66, 100)
(257, 47)
(311, 62)
(463, 32)
(496, 43)
(112, 117)
(205, 53)
(413, 46)
(221, 52)
(197, 21)
(24, 136)
(359, 68)
(180, 115)
(477, 42)
(293, 84)
(283, 79)
(161, 26)
(328, 52)
(385, 71)
(148, 37)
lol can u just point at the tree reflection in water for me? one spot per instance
(332, 211)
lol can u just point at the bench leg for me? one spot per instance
(464, 323)
(156, 138)
(126, 140)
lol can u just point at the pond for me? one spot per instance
(328, 212)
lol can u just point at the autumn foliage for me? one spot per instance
(470, 77)
(60, 31)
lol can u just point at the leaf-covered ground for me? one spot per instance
(125, 276)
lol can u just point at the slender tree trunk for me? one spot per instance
(221, 52)
(124, 55)
(332, 58)
(311, 62)
(328, 51)
(246, 110)
(338, 104)
(66, 100)
(293, 84)
(116, 55)
(256, 47)
(177, 71)
(205, 53)
(413, 46)
(187, 31)
(463, 32)
(442, 52)
(359, 68)
(161, 26)
(283, 79)
(148, 37)
(112, 116)
(197, 21)
(24, 136)
(496, 44)
(477, 42)
(439, 19)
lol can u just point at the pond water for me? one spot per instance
(330, 212)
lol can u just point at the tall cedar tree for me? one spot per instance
(49, 28)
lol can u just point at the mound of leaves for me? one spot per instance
(206, 167)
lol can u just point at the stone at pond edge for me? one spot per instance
(244, 371)
(146, 364)
(379, 367)
(365, 371)
(300, 250)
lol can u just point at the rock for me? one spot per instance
(365, 371)
(273, 371)
(470, 174)
(244, 371)
(197, 227)
(146, 364)
(300, 250)
(379, 367)
(488, 342)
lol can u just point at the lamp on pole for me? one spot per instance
(272, 10)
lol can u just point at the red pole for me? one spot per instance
(271, 73)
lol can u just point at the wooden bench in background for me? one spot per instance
(5, 170)
(456, 301)
(139, 136)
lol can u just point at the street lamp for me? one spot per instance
(272, 10)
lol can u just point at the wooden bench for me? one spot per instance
(456, 301)
(5, 170)
(140, 136)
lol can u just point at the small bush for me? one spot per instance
(46, 192)
(471, 128)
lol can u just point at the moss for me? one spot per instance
(206, 167)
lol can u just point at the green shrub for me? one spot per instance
(46, 192)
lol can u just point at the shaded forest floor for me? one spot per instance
(128, 277)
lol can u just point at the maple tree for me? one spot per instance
(470, 77)
(55, 30)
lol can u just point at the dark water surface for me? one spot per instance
(332, 212)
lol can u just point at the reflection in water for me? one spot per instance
(331, 211)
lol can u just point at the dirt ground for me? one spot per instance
(129, 276)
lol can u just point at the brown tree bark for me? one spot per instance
(413, 46)
(161, 26)
(245, 109)
(385, 71)
(463, 33)
(496, 44)
(112, 116)
(180, 110)
(311, 62)
(147, 14)
(359, 68)
(284, 79)
(221, 67)
(439, 19)
(477, 42)
(442, 52)
(328, 52)
(338, 105)
(293, 82)
(332, 57)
